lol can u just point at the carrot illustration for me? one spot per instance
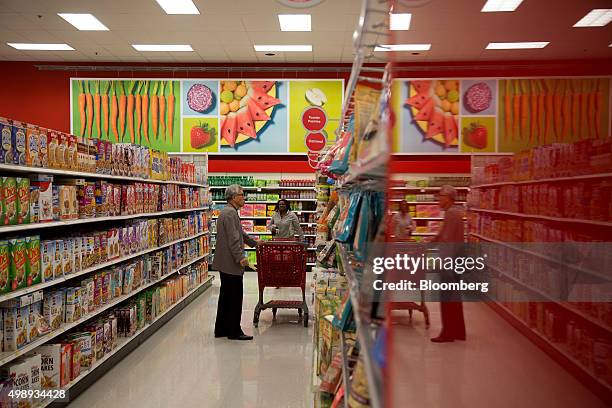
(113, 112)
(171, 111)
(145, 111)
(516, 109)
(508, 110)
(89, 109)
(105, 89)
(584, 100)
(592, 119)
(549, 108)
(541, 113)
(524, 107)
(576, 87)
(81, 102)
(566, 131)
(155, 108)
(130, 109)
(599, 106)
(96, 100)
(122, 105)
(533, 119)
(138, 110)
(162, 111)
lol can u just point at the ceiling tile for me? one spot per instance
(299, 57)
(14, 21)
(262, 22)
(233, 38)
(273, 37)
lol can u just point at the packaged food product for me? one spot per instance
(18, 269)
(47, 257)
(19, 372)
(16, 327)
(64, 201)
(58, 262)
(77, 253)
(71, 309)
(34, 313)
(61, 153)
(68, 257)
(53, 308)
(51, 367)
(52, 148)
(5, 267)
(85, 341)
(42, 147)
(23, 200)
(106, 284)
(33, 260)
(32, 157)
(87, 200)
(34, 204)
(65, 363)
(6, 150)
(55, 202)
(100, 193)
(90, 246)
(35, 363)
(18, 140)
(71, 152)
(9, 201)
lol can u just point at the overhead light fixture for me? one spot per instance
(517, 45)
(163, 47)
(492, 6)
(399, 21)
(283, 48)
(84, 21)
(178, 6)
(41, 47)
(403, 47)
(595, 18)
(295, 22)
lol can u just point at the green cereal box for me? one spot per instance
(35, 272)
(5, 267)
(23, 200)
(19, 264)
(9, 201)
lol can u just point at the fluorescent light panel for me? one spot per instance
(283, 48)
(41, 47)
(595, 18)
(84, 21)
(403, 47)
(517, 45)
(178, 6)
(163, 47)
(399, 21)
(295, 22)
(492, 6)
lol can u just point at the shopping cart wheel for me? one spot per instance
(274, 313)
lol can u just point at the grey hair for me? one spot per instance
(449, 191)
(231, 191)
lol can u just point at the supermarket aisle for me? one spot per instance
(496, 366)
(182, 364)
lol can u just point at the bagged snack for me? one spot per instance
(9, 201)
(33, 260)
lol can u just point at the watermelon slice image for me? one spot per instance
(228, 128)
(262, 99)
(245, 124)
(257, 113)
(436, 123)
(418, 100)
(263, 85)
(422, 87)
(450, 130)
(426, 111)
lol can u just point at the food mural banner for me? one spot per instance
(454, 116)
(209, 115)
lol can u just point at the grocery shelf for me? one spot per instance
(428, 218)
(266, 188)
(424, 234)
(545, 217)
(541, 256)
(35, 288)
(258, 233)
(65, 173)
(40, 225)
(6, 357)
(124, 341)
(545, 180)
(564, 305)
(272, 202)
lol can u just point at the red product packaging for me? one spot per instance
(98, 283)
(97, 248)
(117, 199)
(124, 199)
(72, 153)
(100, 156)
(43, 151)
(138, 198)
(103, 247)
(52, 147)
(108, 156)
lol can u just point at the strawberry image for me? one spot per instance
(202, 136)
(475, 136)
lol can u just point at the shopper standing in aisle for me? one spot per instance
(285, 224)
(230, 262)
(452, 232)
(402, 223)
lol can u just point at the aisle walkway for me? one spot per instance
(183, 365)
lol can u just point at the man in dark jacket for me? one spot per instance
(230, 262)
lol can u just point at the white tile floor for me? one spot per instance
(182, 365)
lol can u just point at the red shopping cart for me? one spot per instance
(281, 264)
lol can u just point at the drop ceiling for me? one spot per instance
(226, 31)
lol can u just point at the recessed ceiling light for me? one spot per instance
(403, 47)
(295, 22)
(283, 48)
(595, 18)
(163, 47)
(517, 45)
(492, 6)
(399, 21)
(178, 6)
(41, 47)
(84, 21)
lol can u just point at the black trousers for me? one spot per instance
(229, 308)
(451, 310)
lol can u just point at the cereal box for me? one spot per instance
(53, 148)
(85, 341)
(20, 373)
(247, 225)
(18, 140)
(9, 201)
(68, 257)
(61, 153)
(87, 200)
(16, 327)
(108, 153)
(58, 261)
(76, 254)
(71, 153)
(23, 200)
(89, 293)
(64, 202)
(106, 284)
(55, 202)
(34, 204)
(35, 362)
(18, 271)
(74, 203)
(98, 283)
(6, 150)
(90, 246)
(5, 267)
(53, 308)
(97, 248)
(42, 147)
(47, 257)
(32, 157)
(110, 200)
(117, 282)
(52, 369)
(33, 260)
(34, 312)
(114, 330)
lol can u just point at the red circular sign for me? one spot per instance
(313, 164)
(314, 119)
(315, 141)
(314, 156)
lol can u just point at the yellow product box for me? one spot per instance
(260, 228)
(259, 210)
